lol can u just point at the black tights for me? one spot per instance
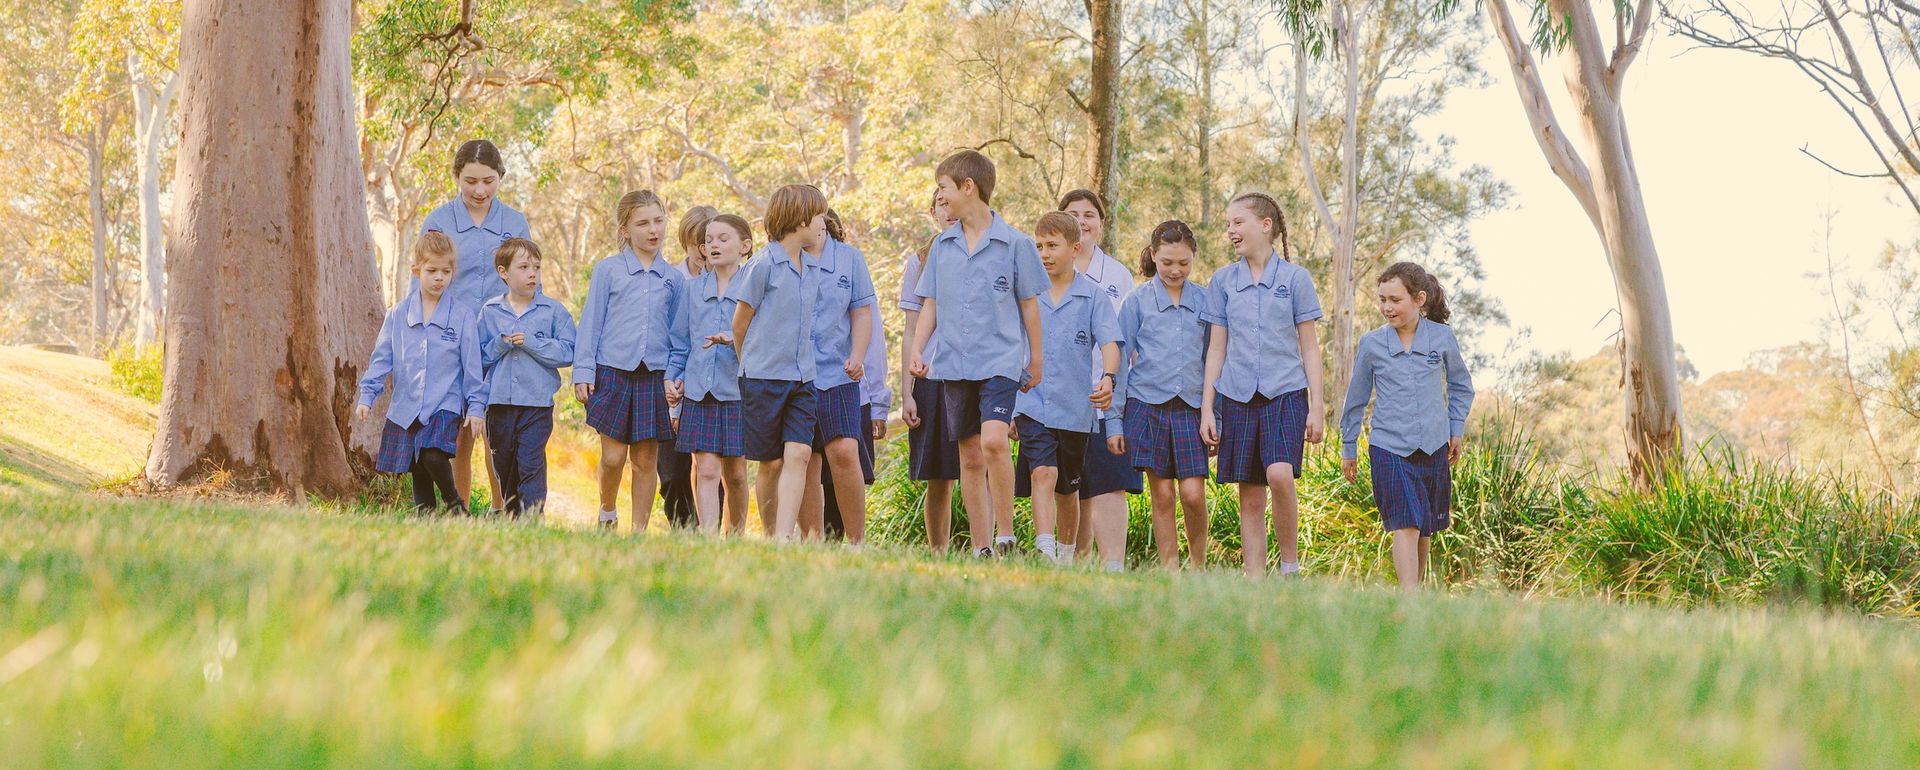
(434, 468)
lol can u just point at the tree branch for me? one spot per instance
(1561, 156)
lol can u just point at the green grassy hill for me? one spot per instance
(62, 426)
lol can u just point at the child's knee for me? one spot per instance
(994, 440)
(843, 450)
(1280, 477)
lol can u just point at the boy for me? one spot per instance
(1054, 419)
(979, 293)
(525, 337)
(773, 335)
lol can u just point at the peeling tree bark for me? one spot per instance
(1104, 15)
(274, 305)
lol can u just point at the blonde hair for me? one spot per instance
(1265, 207)
(1057, 223)
(431, 244)
(692, 230)
(793, 207)
(630, 203)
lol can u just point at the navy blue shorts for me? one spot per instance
(1164, 439)
(775, 413)
(1105, 472)
(629, 406)
(1260, 433)
(517, 445)
(399, 446)
(967, 403)
(711, 426)
(837, 413)
(1413, 492)
(1044, 447)
(932, 455)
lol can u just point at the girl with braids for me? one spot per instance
(1412, 370)
(1262, 395)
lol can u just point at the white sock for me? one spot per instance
(1003, 542)
(1115, 565)
(606, 516)
(1289, 567)
(1063, 553)
(1046, 545)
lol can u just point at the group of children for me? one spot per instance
(776, 355)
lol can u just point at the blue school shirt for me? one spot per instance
(710, 372)
(844, 284)
(1115, 284)
(977, 298)
(1163, 346)
(435, 362)
(875, 389)
(1421, 393)
(527, 374)
(910, 300)
(628, 317)
(1082, 321)
(779, 342)
(1263, 343)
(474, 279)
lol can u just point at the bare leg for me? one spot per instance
(793, 481)
(1253, 528)
(1067, 508)
(939, 513)
(613, 465)
(1067, 522)
(1045, 510)
(733, 472)
(1166, 537)
(706, 490)
(644, 457)
(973, 492)
(1193, 502)
(849, 486)
(1406, 558)
(1426, 563)
(1286, 512)
(1109, 530)
(813, 502)
(998, 454)
(766, 488)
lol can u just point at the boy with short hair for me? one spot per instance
(525, 337)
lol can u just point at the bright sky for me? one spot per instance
(1737, 210)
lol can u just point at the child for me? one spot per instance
(428, 343)
(1166, 343)
(1412, 370)
(932, 456)
(525, 337)
(842, 333)
(1107, 478)
(1264, 364)
(980, 293)
(710, 423)
(676, 467)
(625, 348)
(1076, 323)
(876, 398)
(773, 336)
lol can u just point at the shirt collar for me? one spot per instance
(416, 305)
(634, 265)
(1080, 286)
(1244, 277)
(778, 253)
(997, 230)
(539, 299)
(829, 260)
(1162, 301)
(462, 221)
(1424, 341)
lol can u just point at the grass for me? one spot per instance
(146, 634)
(63, 426)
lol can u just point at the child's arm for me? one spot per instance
(909, 411)
(1216, 359)
(1106, 334)
(492, 346)
(474, 378)
(1459, 399)
(1316, 399)
(679, 340)
(557, 349)
(922, 332)
(374, 382)
(742, 318)
(1359, 391)
(1030, 318)
(593, 315)
(862, 319)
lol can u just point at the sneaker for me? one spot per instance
(983, 553)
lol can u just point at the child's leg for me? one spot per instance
(1166, 536)
(463, 470)
(792, 483)
(733, 494)
(997, 451)
(613, 465)
(1045, 507)
(1067, 522)
(422, 487)
(1193, 503)
(706, 490)
(1286, 515)
(1110, 532)
(1426, 550)
(813, 501)
(501, 455)
(973, 492)
(766, 488)
(439, 467)
(531, 460)
(1253, 528)
(849, 486)
(643, 456)
(939, 514)
(1406, 558)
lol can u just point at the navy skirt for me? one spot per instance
(1413, 492)
(629, 406)
(1165, 439)
(932, 454)
(712, 426)
(400, 446)
(1259, 433)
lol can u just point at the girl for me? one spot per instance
(1107, 478)
(876, 398)
(430, 346)
(710, 422)
(627, 342)
(477, 223)
(842, 335)
(676, 467)
(932, 455)
(1412, 370)
(1263, 362)
(1165, 343)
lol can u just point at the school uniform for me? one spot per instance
(1421, 395)
(1163, 354)
(932, 455)
(843, 285)
(434, 362)
(521, 381)
(977, 293)
(1262, 389)
(474, 279)
(1055, 417)
(674, 467)
(1103, 471)
(627, 344)
(876, 397)
(777, 399)
(710, 418)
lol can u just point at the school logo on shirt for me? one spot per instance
(539, 335)
(1113, 291)
(449, 335)
(1282, 291)
(1433, 358)
(1000, 283)
(845, 282)
(1080, 338)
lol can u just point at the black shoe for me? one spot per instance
(983, 553)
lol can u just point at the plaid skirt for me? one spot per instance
(629, 406)
(399, 446)
(1164, 439)
(838, 413)
(1413, 492)
(1260, 433)
(711, 426)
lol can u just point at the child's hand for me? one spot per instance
(581, 390)
(1209, 433)
(477, 425)
(516, 339)
(1117, 444)
(675, 389)
(1316, 427)
(718, 339)
(676, 424)
(1033, 376)
(879, 429)
(855, 368)
(1102, 396)
(360, 412)
(1348, 467)
(917, 367)
(1453, 449)
(910, 412)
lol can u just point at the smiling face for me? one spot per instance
(957, 198)
(941, 214)
(477, 182)
(522, 275)
(724, 247)
(645, 228)
(1400, 306)
(435, 274)
(1250, 234)
(1172, 262)
(1091, 228)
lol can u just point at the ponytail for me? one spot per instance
(1147, 268)
(1416, 279)
(1170, 231)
